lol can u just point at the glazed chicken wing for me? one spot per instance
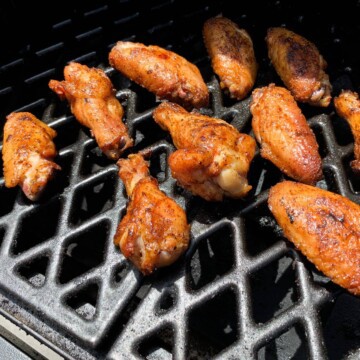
(212, 159)
(28, 151)
(162, 72)
(324, 226)
(154, 232)
(93, 103)
(232, 55)
(285, 136)
(347, 105)
(300, 66)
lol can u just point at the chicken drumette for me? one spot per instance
(92, 99)
(154, 232)
(285, 137)
(28, 151)
(232, 55)
(162, 72)
(347, 105)
(324, 226)
(300, 66)
(213, 157)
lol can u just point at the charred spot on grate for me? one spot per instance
(34, 271)
(157, 345)
(289, 345)
(33, 230)
(167, 300)
(342, 327)
(120, 272)
(213, 326)
(212, 259)
(83, 251)
(84, 301)
(94, 198)
(278, 279)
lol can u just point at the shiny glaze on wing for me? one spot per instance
(28, 152)
(154, 232)
(163, 72)
(286, 138)
(213, 157)
(324, 226)
(92, 99)
(347, 105)
(232, 55)
(300, 66)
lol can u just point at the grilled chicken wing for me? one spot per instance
(300, 66)
(212, 159)
(286, 138)
(28, 151)
(324, 226)
(93, 103)
(162, 72)
(154, 232)
(347, 105)
(232, 55)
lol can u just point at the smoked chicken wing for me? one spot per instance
(347, 105)
(232, 55)
(154, 232)
(213, 157)
(300, 66)
(285, 137)
(93, 103)
(162, 72)
(324, 226)
(28, 151)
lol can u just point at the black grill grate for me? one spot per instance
(241, 291)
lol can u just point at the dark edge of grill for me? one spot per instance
(241, 289)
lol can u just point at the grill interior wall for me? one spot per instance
(241, 288)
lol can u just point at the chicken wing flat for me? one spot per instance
(166, 74)
(92, 99)
(213, 157)
(285, 136)
(347, 105)
(324, 226)
(232, 55)
(154, 232)
(300, 66)
(28, 151)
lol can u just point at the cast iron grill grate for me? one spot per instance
(241, 291)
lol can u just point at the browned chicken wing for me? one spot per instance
(92, 99)
(347, 105)
(285, 136)
(212, 159)
(300, 66)
(232, 55)
(28, 151)
(324, 226)
(162, 72)
(154, 232)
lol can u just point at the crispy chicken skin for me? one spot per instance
(92, 99)
(324, 226)
(166, 74)
(213, 157)
(28, 151)
(347, 106)
(300, 66)
(154, 232)
(232, 55)
(285, 137)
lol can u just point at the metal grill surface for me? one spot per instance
(242, 290)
